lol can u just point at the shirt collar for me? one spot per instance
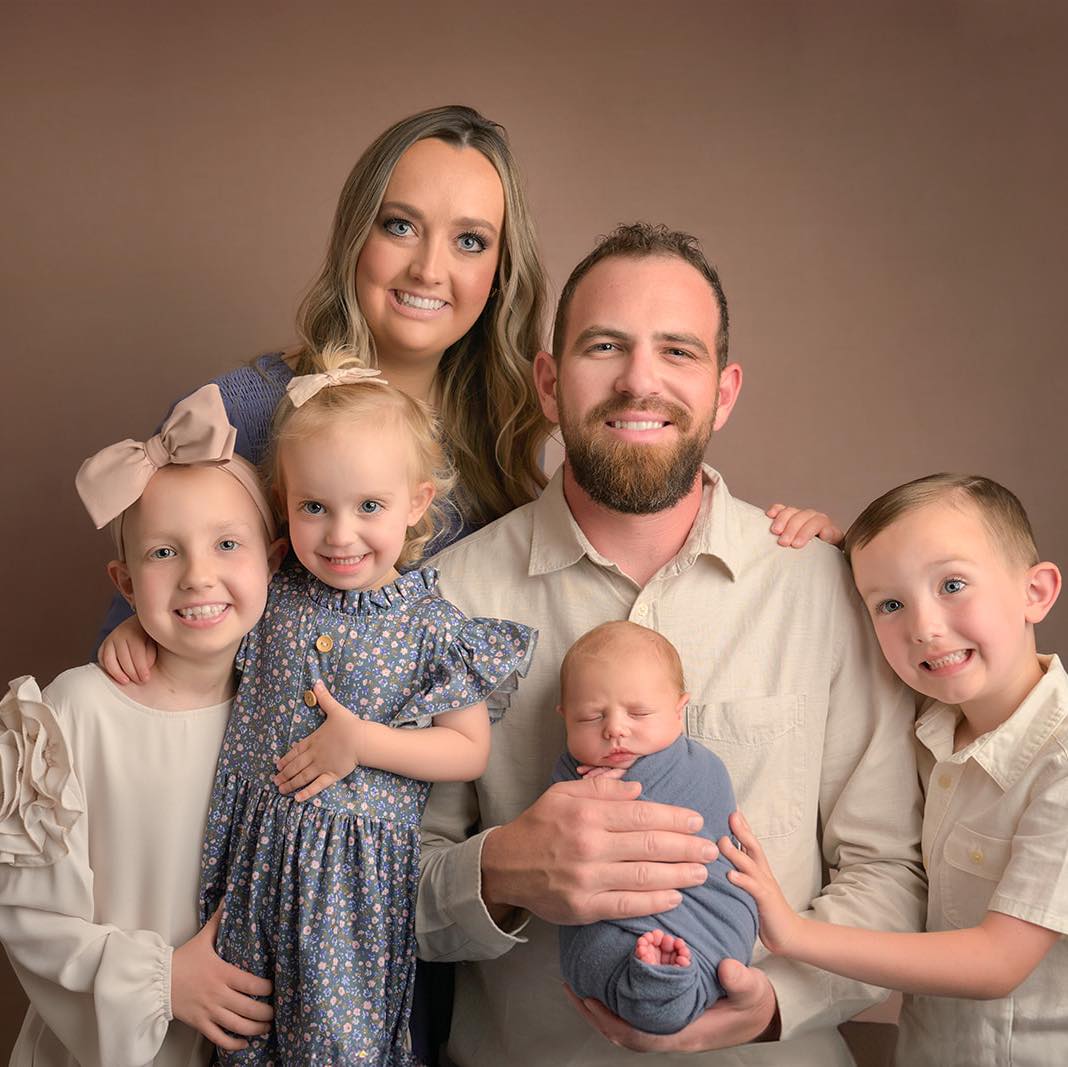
(1008, 750)
(557, 540)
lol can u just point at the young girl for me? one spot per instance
(948, 568)
(313, 834)
(105, 791)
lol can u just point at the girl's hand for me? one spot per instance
(601, 772)
(324, 756)
(797, 526)
(127, 653)
(213, 996)
(752, 872)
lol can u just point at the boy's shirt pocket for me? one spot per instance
(973, 865)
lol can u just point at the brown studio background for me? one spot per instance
(881, 186)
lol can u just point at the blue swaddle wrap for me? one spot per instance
(717, 920)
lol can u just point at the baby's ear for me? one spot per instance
(560, 711)
(1043, 588)
(119, 573)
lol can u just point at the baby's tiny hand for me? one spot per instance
(326, 755)
(752, 872)
(601, 772)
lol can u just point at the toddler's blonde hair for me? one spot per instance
(357, 402)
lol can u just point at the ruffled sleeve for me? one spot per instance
(40, 797)
(470, 660)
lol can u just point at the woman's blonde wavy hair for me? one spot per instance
(493, 424)
(350, 405)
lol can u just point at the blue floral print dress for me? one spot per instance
(320, 895)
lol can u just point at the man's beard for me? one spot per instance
(633, 478)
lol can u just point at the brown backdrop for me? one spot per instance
(881, 185)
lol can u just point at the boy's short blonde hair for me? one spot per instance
(358, 402)
(999, 509)
(595, 642)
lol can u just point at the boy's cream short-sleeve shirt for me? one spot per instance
(995, 838)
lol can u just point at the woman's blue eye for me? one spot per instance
(888, 607)
(369, 507)
(397, 227)
(162, 553)
(471, 242)
(953, 585)
(312, 507)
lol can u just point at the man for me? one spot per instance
(788, 688)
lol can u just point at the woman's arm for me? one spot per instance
(454, 749)
(982, 962)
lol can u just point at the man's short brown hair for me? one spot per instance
(637, 240)
(999, 509)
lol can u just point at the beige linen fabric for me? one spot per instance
(995, 838)
(788, 688)
(90, 935)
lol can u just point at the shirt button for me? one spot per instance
(324, 642)
(976, 855)
(309, 698)
(642, 611)
(945, 781)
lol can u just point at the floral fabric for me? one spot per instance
(320, 895)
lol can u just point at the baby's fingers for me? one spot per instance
(325, 779)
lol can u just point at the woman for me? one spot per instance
(433, 275)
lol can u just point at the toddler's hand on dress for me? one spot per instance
(127, 653)
(601, 772)
(752, 872)
(797, 526)
(213, 996)
(326, 755)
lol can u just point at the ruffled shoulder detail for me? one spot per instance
(480, 659)
(40, 796)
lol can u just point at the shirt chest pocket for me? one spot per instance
(974, 864)
(762, 742)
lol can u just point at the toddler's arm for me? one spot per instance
(454, 749)
(797, 526)
(982, 962)
(127, 654)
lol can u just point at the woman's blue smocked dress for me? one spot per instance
(320, 895)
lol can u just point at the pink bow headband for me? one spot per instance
(197, 432)
(301, 389)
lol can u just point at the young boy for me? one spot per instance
(948, 569)
(622, 696)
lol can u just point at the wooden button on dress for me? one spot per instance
(309, 698)
(324, 642)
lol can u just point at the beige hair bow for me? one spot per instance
(303, 387)
(197, 431)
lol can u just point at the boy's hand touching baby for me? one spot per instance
(213, 996)
(779, 923)
(127, 654)
(797, 526)
(326, 755)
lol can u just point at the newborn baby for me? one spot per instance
(622, 697)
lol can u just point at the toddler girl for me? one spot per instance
(359, 688)
(104, 792)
